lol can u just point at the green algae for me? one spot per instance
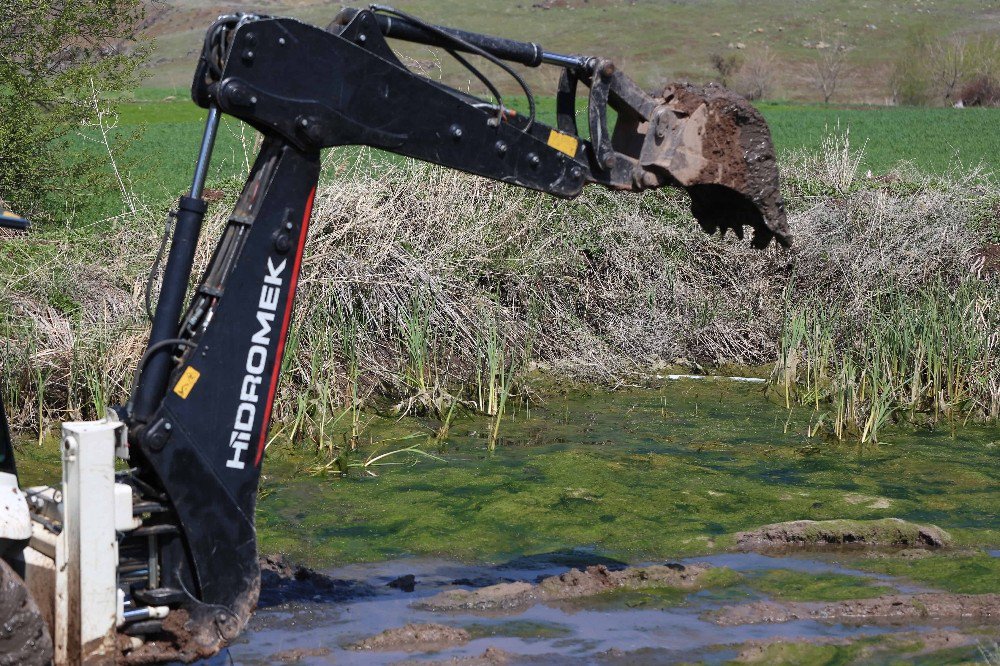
(882, 650)
(962, 573)
(525, 629)
(798, 653)
(660, 472)
(646, 598)
(38, 462)
(640, 475)
(798, 586)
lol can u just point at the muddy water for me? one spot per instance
(672, 627)
(660, 472)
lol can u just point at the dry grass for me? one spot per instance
(422, 285)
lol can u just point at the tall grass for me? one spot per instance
(423, 289)
(927, 356)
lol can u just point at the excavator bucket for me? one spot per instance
(711, 142)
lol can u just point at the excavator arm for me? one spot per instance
(198, 418)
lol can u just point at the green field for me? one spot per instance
(158, 165)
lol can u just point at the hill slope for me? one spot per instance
(655, 41)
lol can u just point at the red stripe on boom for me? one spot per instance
(292, 283)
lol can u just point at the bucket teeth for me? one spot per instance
(714, 144)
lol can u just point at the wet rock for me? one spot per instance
(405, 583)
(892, 606)
(572, 584)
(416, 638)
(885, 533)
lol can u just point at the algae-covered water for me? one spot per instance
(647, 474)
(637, 474)
(664, 472)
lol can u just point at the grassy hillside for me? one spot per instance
(655, 41)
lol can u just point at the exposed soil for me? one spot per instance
(570, 585)
(986, 260)
(885, 533)
(416, 638)
(926, 606)
(175, 642)
(281, 582)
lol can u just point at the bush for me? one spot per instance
(981, 91)
(55, 59)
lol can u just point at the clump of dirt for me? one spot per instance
(282, 581)
(174, 642)
(405, 583)
(570, 585)
(932, 605)
(986, 260)
(416, 638)
(884, 533)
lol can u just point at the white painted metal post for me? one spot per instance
(87, 551)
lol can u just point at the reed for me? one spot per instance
(422, 285)
(927, 356)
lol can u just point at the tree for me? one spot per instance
(947, 62)
(53, 56)
(756, 77)
(827, 70)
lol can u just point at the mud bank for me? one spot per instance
(909, 645)
(575, 584)
(884, 533)
(428, 637)
(918, 607)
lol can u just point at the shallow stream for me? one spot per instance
(655, 627)
(663, 472)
